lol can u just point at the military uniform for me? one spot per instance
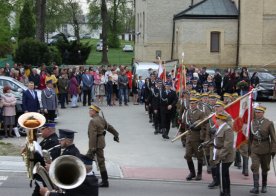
(190, 118)
(71, 150)
(49, 103)
(96, 134)
(168, 97)
(224, 152)
(51, 143)
(181, 107)
(262, 144)
(154, 100)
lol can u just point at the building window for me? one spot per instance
(215, 41)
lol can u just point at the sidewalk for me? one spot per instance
(16, 164)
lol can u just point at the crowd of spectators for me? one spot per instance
(113, 84)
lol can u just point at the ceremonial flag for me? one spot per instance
(161, 71)
(241, 112)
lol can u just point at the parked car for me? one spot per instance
(141, 69)
(128, 48)
(99, 47)
(17, 89)
(266, 85)
(87, 36)
(72, 38)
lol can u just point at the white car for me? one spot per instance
(99, 47)
(128, 48)
(72, 38)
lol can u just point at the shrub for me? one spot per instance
(55, 55)
(33, 52)
(73, 52)
(5, 48)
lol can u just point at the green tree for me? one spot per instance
(5, 31)
(40, 13)
(26, 23)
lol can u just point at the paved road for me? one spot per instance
(140, 154)
(17, 184)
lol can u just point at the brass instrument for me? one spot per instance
(30, 121)
(67, 172)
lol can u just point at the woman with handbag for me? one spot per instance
(9, 102)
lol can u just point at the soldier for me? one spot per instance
(181, 107)
(154, 100)
(207, 110)
(49, 101)
(167, 102)
(219, 109)
(223, 151)
(96, 134)
(227, 98)
(191, 117)
(262, 144)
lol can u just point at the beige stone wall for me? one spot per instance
(258, 32)
(194, 40)
(158, 27)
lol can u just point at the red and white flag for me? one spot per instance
(160, 71)
(241, 112)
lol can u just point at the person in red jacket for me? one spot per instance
(129, 76)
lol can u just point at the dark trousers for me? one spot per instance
(86, 93)
(50, 116)
(123, 92)
(108, 98)
(225, 176)
(156, 119)
(165, 118)
(62, 99)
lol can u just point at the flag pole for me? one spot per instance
(184, 74)
(181, 76)
(211, 115)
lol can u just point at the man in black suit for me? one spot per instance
(30, 102)
(167, 103)
(35, 78)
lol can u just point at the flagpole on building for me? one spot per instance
(211, 115)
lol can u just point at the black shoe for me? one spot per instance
(255, 190)
(190, 176)
(156, 132)
(213, 185)
(209, 170)
(198, 177)
(165, 137)
(104, 184)
(150, 121)
(264, 189)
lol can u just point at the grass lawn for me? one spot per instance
(115, 55)
(8, 149)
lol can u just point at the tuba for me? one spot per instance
(66, 172)
(30, 121)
